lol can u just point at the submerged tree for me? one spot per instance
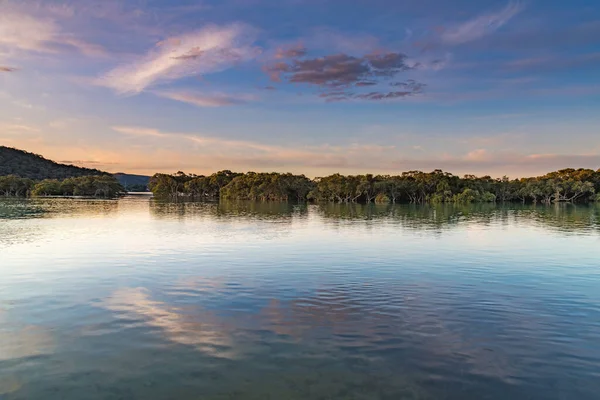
(267, 186)
(13, 185)
(418, 187)
(91, 186)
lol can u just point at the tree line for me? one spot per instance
(417, 187)
(89, 186)
(231, 185)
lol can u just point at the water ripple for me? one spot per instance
(141, 299)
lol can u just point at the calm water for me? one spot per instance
(136, 299)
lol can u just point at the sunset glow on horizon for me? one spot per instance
(304, 86)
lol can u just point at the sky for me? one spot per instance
(488, 87)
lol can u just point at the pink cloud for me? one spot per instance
(29, 29)
(478, 155)
(212, 49)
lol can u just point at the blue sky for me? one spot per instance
(306, 86)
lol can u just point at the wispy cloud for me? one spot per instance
(87, 163)
(529, 62)
(219, 151)
(21, 29)
(207, 100)
(7, 69)
(477, 155)
(18, 129)
(480, 26)
(223, 144)
(212, 49)
(25, 32)
(148, 150)
(557, 62)
(549, 37)
(207, 153)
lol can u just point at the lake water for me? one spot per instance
(137, 299)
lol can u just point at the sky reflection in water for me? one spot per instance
(142, 299)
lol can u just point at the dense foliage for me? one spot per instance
(93, 186)
(32, 166)
(197, 186)
(567, 185)
(12, 185)
(23, 174)
(230, 185)
(268, 186)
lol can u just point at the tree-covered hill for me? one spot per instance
(29, 165)
(133, 183)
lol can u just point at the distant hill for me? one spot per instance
(33, 166)
(133, 183)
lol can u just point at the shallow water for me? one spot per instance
(137, 299)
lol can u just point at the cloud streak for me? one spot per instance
(26, 32)
(480, 26)
(248, 153)
(205, 154)
(217, 143)
(22, 30)
(207, 100)
(18, 129)
(212, 49)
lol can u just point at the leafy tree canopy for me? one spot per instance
(568, 185)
